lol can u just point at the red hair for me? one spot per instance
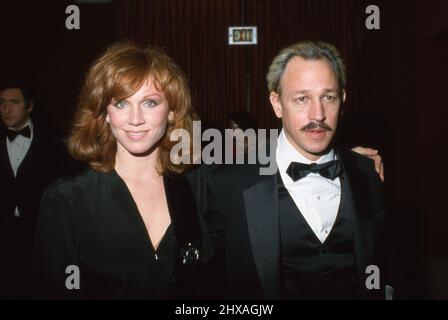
(119, 73)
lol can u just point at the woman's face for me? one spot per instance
(139, 122)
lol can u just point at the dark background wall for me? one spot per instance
(227, 78)
(432, 70)
(36, 48)
(397, 79)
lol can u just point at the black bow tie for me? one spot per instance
(330, 170)
(26, 132)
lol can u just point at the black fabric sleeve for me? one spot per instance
(56, 264)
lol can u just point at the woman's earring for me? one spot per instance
(107, 119)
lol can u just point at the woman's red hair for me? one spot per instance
(119, 73)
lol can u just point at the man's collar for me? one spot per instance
(28, 123)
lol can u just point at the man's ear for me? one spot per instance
(29, 103)
(276, 104)
(344, 96)
(30, 107)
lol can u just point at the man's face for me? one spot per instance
(13, 108)
(309, 105)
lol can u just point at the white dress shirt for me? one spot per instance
(316, 197)
(17, 151)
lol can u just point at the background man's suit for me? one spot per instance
(245, 216)
(43, 162)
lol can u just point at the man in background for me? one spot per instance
(30, 159)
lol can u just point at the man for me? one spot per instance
(311, 230)
(29, 162)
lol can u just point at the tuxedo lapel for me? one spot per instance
(261, 203)
(22, 169)
(358, 200)
(5, 164)
(30, 156)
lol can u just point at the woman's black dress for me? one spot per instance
(91, 242)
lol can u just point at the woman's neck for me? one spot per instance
(129, 166)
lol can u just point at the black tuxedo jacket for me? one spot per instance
(44, 161)
(243, 219)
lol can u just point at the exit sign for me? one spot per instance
(242, 35)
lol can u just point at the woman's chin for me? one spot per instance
(143, 150)
(138, 150)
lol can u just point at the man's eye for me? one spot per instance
(150, 103)
(301, 99)
(329, 98)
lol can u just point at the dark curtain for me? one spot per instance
(224, 78)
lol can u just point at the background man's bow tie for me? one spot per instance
(26, 132)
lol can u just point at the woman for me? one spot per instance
(127, 228)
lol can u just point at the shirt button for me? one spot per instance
(318, 197)
(155, 256)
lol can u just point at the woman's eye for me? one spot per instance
(120, 104)
(150, 103)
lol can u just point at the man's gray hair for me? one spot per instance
(309, 51)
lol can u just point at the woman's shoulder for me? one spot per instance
(74, 185)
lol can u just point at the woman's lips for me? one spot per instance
(136, 135)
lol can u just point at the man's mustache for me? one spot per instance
(317, 125)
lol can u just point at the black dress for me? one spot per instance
(91, 223)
